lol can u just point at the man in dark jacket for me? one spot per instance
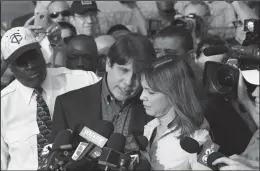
(116, 97)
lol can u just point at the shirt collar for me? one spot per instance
(27, 92)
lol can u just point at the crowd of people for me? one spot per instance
(144, 80)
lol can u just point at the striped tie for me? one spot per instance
(43, 121)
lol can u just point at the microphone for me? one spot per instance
(190, 145)
(96, 137)
(94, 140)
(110, 156)
(212, 157)
(57, 157)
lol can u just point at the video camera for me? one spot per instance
(222, 78)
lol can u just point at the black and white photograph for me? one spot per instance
(130, 85)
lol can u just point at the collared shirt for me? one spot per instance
(19, 128)
(119, 113)
(165, 153)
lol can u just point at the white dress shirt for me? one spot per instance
(165, 153)
(19, 128)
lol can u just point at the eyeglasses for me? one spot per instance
(64, 13)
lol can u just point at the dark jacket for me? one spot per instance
(83, 106)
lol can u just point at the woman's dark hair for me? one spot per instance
(173, 76)
(131, 46)
(209, 41)
(117, 27)
(175, 31)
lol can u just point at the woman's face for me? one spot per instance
(156, 104)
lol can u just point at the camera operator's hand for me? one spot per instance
(231, 164)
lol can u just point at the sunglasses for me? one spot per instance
(64, 13)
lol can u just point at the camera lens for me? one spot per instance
(224, 80)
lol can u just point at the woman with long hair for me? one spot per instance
(168, 95)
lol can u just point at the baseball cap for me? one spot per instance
(82, 45)
(80, 7)
(251, 76)
(16, 41)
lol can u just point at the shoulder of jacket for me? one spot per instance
(9, 89)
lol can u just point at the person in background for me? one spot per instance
(104, 42)
(27, 103)
(220, 110)
(20, 21)
(173, 39)
(115, 98)
(59, 11)
(168, 95)
(67, 30)
(118, 30)
(82, 53)
(85, 17)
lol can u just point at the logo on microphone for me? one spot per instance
(93, 137)
(208, 148)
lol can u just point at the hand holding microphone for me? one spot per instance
(231, 164)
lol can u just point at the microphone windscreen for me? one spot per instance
(117, 142)
(62, 138)
(104, 128)
(189, 145)
(142, 141)
(215, 50)
(212, 157)
(143, 165)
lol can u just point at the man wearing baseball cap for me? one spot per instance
(27, 103)
(82, 53)
(84, 17)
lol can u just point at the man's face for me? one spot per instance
(80, 62)
(30, 68)
(197, 9)
(59, 11)
(86, 23)
(122, 81)
(166, 45)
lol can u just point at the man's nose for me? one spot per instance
(60, 17)
(88, 19)
(80, 61)
(128, 79)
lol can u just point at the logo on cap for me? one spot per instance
(86, 2)
(16, 38)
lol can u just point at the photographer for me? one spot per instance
(223, 111)
(249, 159)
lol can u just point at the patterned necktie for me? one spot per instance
(43, 121)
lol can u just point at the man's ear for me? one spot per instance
(108, 64)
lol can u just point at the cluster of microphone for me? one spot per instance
(97, 148)
(207, 153)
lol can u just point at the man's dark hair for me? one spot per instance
(131, 46)
(209, 41)
(66, 25)
(174, 31)
(34, 2)
(117, 27)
